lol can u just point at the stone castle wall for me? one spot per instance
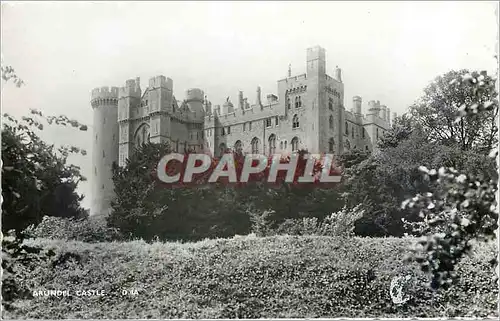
(307, 112)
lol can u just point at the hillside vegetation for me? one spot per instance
(249, 277)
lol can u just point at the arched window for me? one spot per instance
(377, 133)
(238, 147)
(330, 103)
(300, 102)
(346, 128)
(281, 145)
(288, 103)
(272, 144)
(331, 122)
(295, 144)
(295, 121)
(296, 101)
(255, 145)
(331, 145)
(363, 133)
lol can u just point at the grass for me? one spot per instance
(251, 277)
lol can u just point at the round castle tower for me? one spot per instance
(104, 102)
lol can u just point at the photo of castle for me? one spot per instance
(308, 112)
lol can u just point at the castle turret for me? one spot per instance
(338, 74)
(138, 85)
(383, 108)
(228, 107)
(129, 97)
(374, 108)
(194, 100)
(104, 102)
(356, 102)
(217, 110)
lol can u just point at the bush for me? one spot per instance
(261, 222)
(250, 277)
(92, 229)
(340, 223)
(17, 260)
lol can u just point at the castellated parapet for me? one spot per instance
(130, 89)
(161, 81)
(357, 101)
(307, 111)
(103, 96)
(194, 94)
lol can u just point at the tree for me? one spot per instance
(36, 179)
(465, 208)
(146, 208)
(402, 128)
(436, 112)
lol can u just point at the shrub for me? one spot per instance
(17, 260)
(340, 223)
(92, 229)
(249, 277)
(261, 223)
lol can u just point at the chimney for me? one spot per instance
(259, 99)
(240, 100)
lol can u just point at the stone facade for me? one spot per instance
(307, 112)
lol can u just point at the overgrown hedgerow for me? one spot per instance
(250, 277)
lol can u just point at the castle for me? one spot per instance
(306, 113)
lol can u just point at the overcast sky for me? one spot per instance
(387, 51)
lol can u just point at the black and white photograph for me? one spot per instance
(249, 159)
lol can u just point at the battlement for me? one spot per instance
(383, 108)
(104, 96)
(161, 82)
(131, 89)
(374, 105)
(104, 93)
(316, 52)
(195, 94)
